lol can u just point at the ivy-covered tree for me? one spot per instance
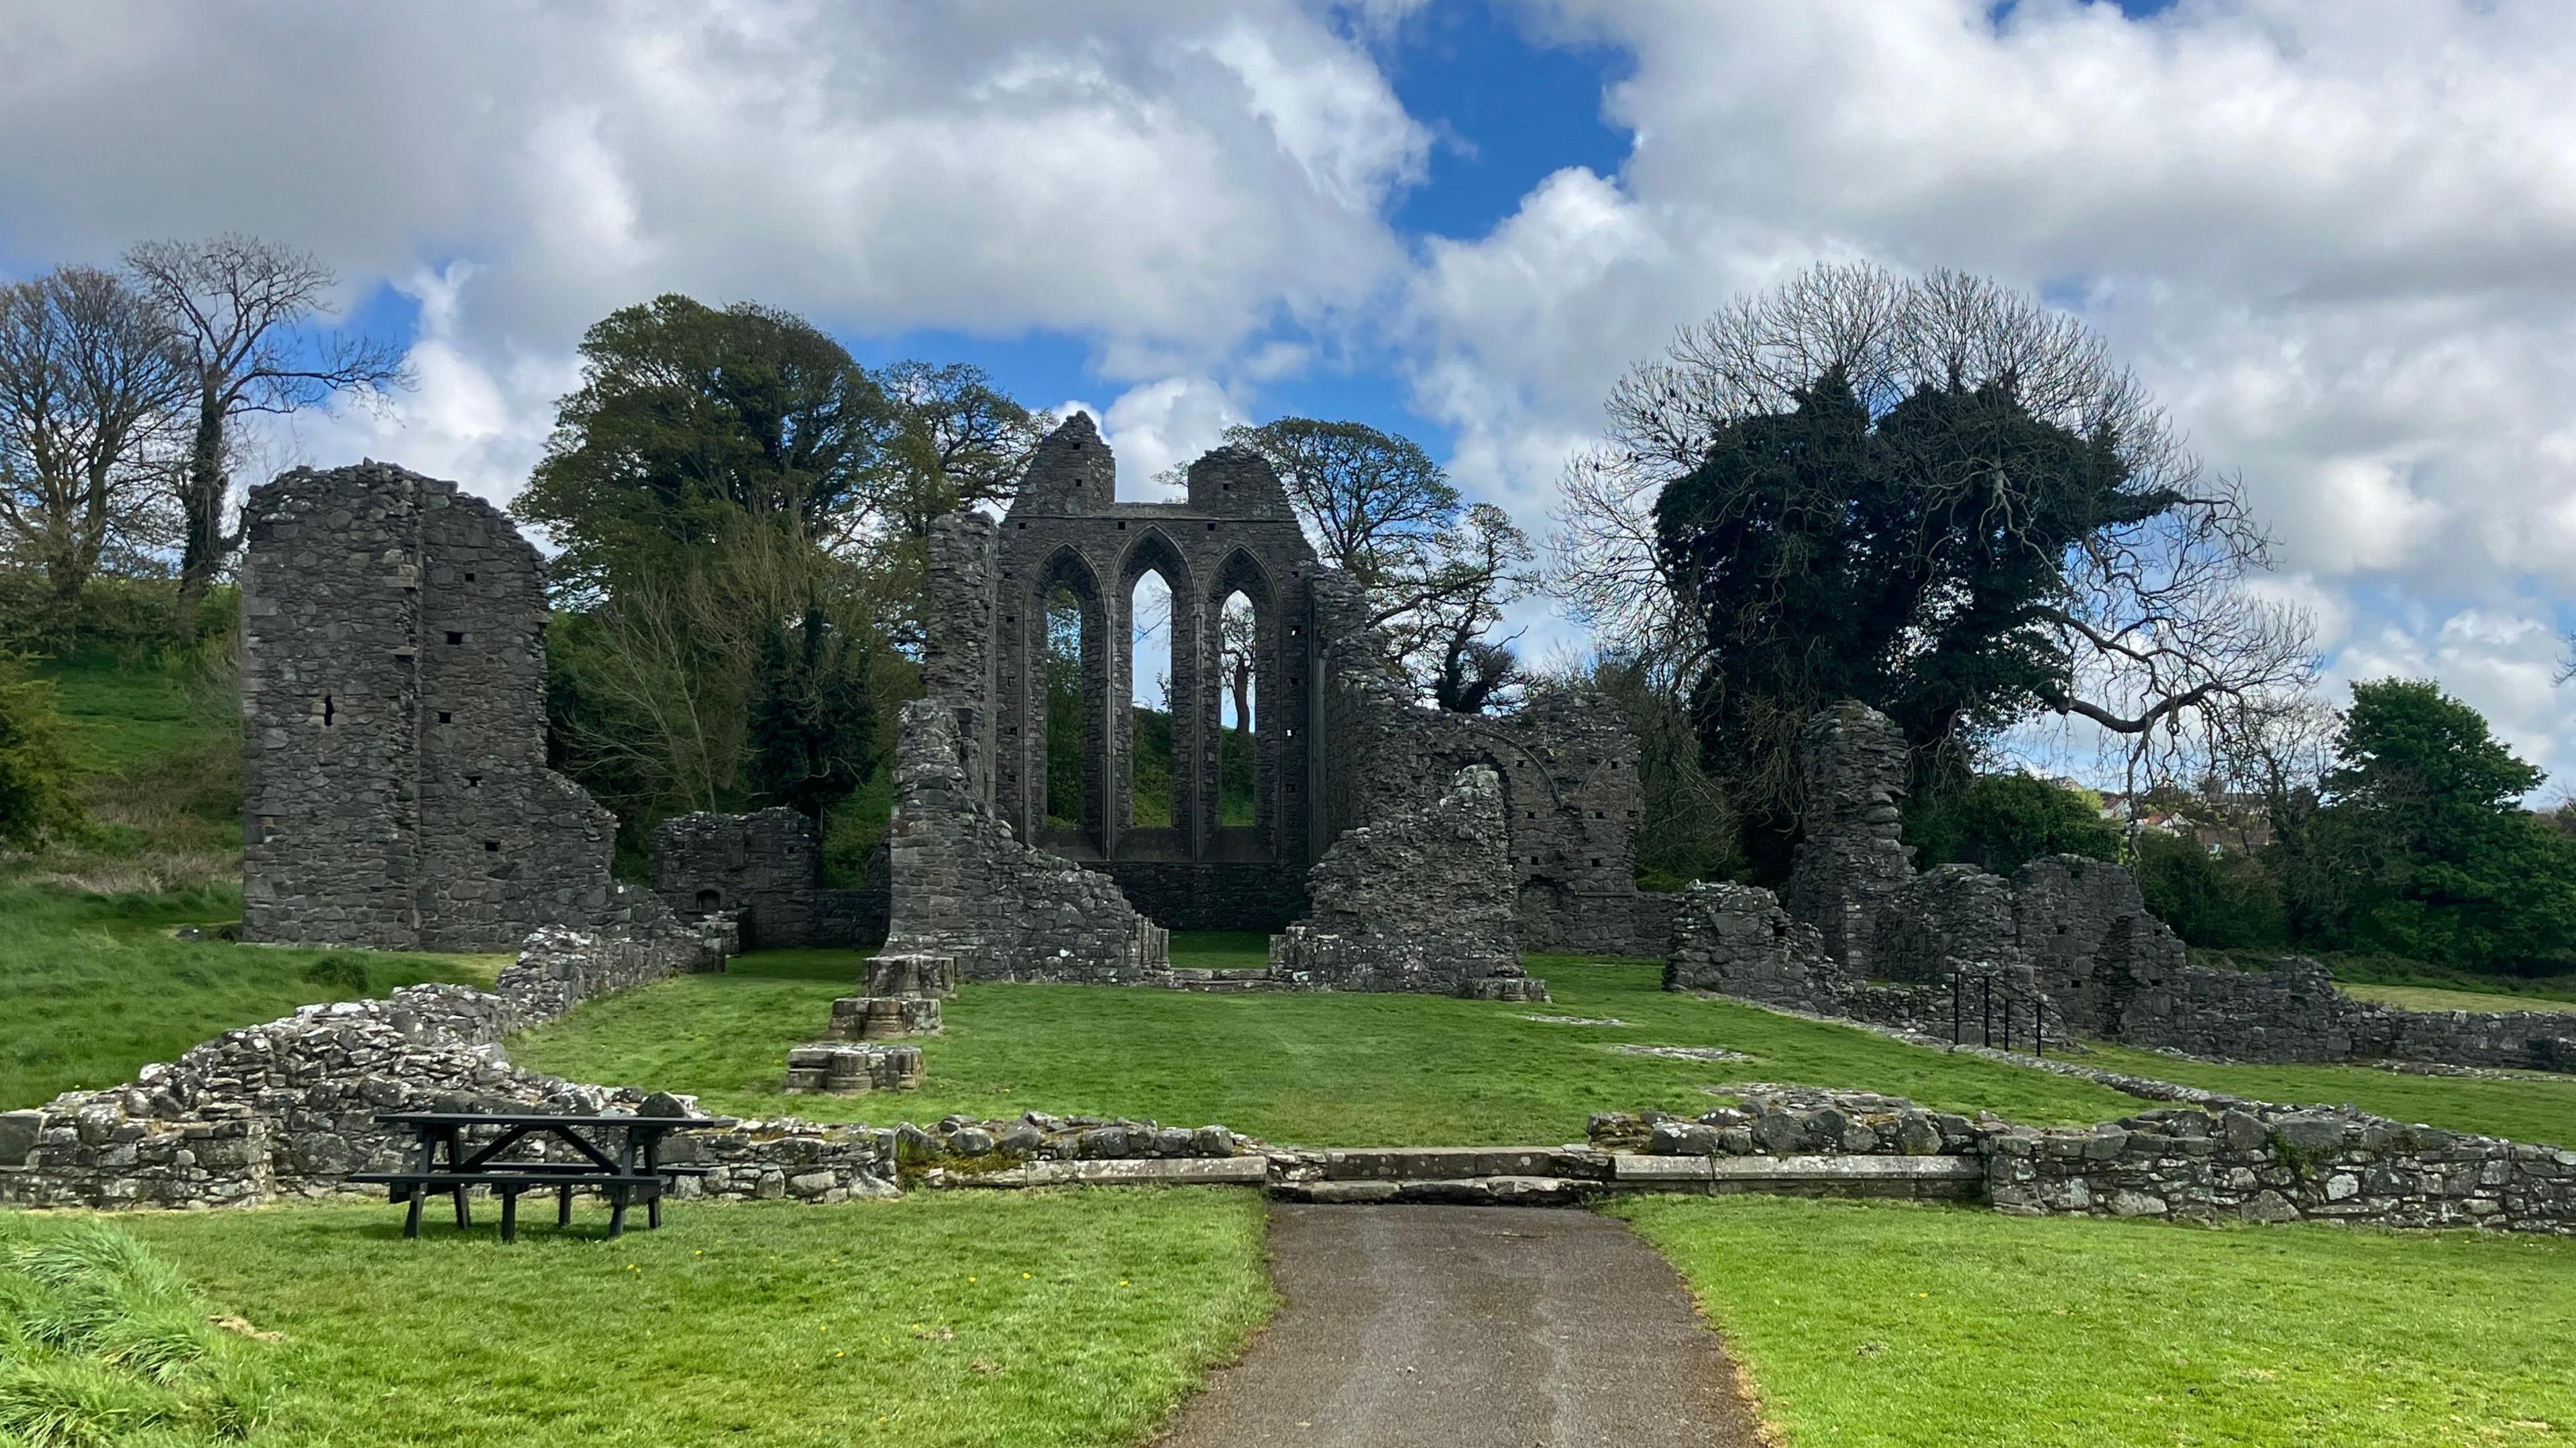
(2000, 822)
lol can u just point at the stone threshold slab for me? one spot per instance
(1174, 1171)
(1757, 1170)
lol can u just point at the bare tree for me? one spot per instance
(2156, 616)
(90, 384)
(247, 312)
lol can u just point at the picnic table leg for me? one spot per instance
(563, 1205)
(617, 1212)
(411, 1218)
(464, 1218)
(653, 1211)
(509, 1214)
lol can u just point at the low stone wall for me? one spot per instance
(2225, 1161)
(287, 1109)
(964, 1141)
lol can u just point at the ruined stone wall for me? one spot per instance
(1415, 900)
(1852, 761)
(1948, 919)
(764, 868)
(965, 887)
(2230, 1161)
(288, 1108)
(393, 701)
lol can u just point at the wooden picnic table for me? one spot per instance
(623, 1163)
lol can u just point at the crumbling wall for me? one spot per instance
(393, 722)
(1852, 762)
(964, 887)
(288, 1109)
(1737, 940)
(1948, 919)
(763, 868)
(1417, 900)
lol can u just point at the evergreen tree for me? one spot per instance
(813, 723)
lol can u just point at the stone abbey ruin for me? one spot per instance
(393, 690)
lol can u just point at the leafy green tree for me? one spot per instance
(813, 717)
(2223, 902)
(1436, 570)
(2000, 822)
(2422, 813)
(691, 423)
(39, 785)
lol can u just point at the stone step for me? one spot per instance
(1455, 1163)
(1503, 1191)
(1859, 1176)
(1206, 973)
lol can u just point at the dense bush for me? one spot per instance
(2000, 822)
(2222, 902)
(39, 785)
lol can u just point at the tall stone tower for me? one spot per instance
(393, 676)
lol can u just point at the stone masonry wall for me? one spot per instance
(965, 887)
(764, 868)
(288, 1109)
(1852, 760)
(393, 706)
(1414, 901)
(2227, 1161)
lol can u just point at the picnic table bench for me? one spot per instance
(631, 1170)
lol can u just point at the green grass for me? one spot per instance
(1312, 1069)
(126, 714)
(93, 987)
(2538, 1108)
(102, 1341)
(1880, 1325)
(1032, 1318)
(2443, 998)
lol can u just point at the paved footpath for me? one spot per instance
(1483, 1327)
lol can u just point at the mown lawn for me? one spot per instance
(93, 987)
(2540, 1108)
(1881, 1325)
(1312, 1069)
(1040, 1318)
(2440, 998)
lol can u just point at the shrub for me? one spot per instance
(2219, 902)
(2000, 822)
(39, 785)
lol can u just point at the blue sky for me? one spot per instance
(2329, 235)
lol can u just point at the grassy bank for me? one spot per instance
(93, 987)
(2539, 1108)
(1897, 1326)
(1315, 1069)
(1057, 1318)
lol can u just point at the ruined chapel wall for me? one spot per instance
(764, 868)
(393, 692)
(1852, 763)
(330, 684)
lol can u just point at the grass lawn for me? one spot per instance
(93, 987)
(124, 713)
(1313, 1069)
(1873, 1325)
(1035, 1318)
(2438, 998)
(2540, 1109)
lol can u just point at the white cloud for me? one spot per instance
(1170, 184)
(2338, 240)
(1157, 427)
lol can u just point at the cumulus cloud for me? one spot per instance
(2338, 241)
(1172, 185)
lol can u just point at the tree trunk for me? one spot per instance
(1242, 693)
(201, 501)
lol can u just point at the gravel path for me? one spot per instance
(1474, 1326)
